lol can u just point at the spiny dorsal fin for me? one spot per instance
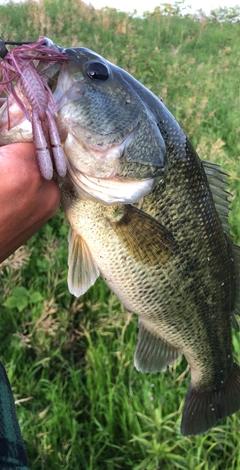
(152, 353)
(236, 257)
(218, 184)
(234, 321)
(82, 270)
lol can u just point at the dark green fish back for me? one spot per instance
(184, 204)
(217, 182)
(204, 280)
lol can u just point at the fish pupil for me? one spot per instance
(97, 71)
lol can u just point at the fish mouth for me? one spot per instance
(112, 190)
(94, 172)
(102, 157)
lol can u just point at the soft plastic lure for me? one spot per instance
(20, 78)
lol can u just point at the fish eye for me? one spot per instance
(97, 71)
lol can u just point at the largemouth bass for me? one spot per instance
(150, 218)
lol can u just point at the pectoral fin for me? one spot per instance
(82, 270)
(152, 353)
(146, 239)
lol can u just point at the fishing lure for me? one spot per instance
(28, 87)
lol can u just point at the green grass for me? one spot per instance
(80, 402)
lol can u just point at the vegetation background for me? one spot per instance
(80, 402)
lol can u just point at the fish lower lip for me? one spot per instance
(111, 190)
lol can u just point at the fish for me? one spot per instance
(151, 218)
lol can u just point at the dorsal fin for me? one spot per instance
(218, 184)
(236, 257)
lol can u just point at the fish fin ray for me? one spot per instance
(218, 184)
(215, 170)
(236, 257)
(152, 353)
(146, 239)
(203, 409)
(82, 270)
(234, 321)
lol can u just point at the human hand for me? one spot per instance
(27, 201)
